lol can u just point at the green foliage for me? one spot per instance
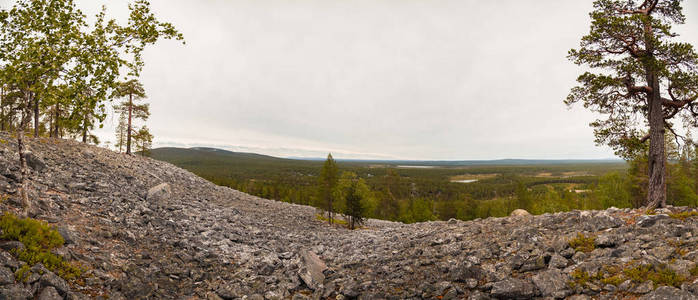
(581, 278)
(401, 194)
(523, 197)
(684, 215)
(324, 219)
(143, 141)
(22, 274)
(53, 61)
(615, 279)
(356, 198)
(583, 243)
(623, 53)
(38, 239)
(611, 191)
(659, 275)
(327, 184)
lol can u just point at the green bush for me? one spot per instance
(39, 239)
(583, 243)
(684, 215)
(660, 275)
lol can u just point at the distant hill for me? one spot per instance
(173, 154)
(204, 154)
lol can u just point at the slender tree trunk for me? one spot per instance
(121, 136)
(2, 107)
(128, 132)
(36, 117)
(57, 114)
(24, 178)
(84, 128)
(656, 192)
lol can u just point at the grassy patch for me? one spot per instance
(583, 243)
(334, 220)
(684, 215)
(39, 239)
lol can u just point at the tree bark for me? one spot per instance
(2, 108)
(24, 178)
(656, 192)
(57, 112)
(128, 132)
(36, 117)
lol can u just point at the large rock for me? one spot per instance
(668, 293)
(49, 293)
(312, 271)
(159, 194)
(35, 162)
(466, 270)
(513, 288)
(519, 213)
(50, 279)
(67, 234)
(551, 283)
(6, 276)
(14, 292)
(649, 220)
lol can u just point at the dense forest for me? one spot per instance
(421, 193)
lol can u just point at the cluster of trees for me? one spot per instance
(346, 194)
(129, 110)
(59, 72)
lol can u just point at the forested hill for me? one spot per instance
(174, 154)
(139, 228)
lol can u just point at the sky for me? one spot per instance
(378, 79)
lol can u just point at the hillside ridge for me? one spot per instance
(147, 229)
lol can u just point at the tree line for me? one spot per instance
(58, 73)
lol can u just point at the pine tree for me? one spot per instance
(121, 128)
(133, 91)
(143, 141)
(639, 73)
(327, 183)
(356, 198)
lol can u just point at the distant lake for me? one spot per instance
(417, 167)
(465, 180)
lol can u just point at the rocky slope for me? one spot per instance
(147, 229)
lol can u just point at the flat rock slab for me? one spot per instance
(312, 271)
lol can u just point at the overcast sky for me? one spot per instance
(407, 79)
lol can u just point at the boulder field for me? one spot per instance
(145, 229)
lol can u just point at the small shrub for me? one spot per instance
(580, 278)
(39, 239)
(583, 243)
(614, 279)
(684, 215)
(659, 275)
(612, 275)
(23, 273)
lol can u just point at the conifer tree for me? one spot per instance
(328, 182)
(121, 128)
(639, 73)
(133, 91)
(143, 140)
(356, 198)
